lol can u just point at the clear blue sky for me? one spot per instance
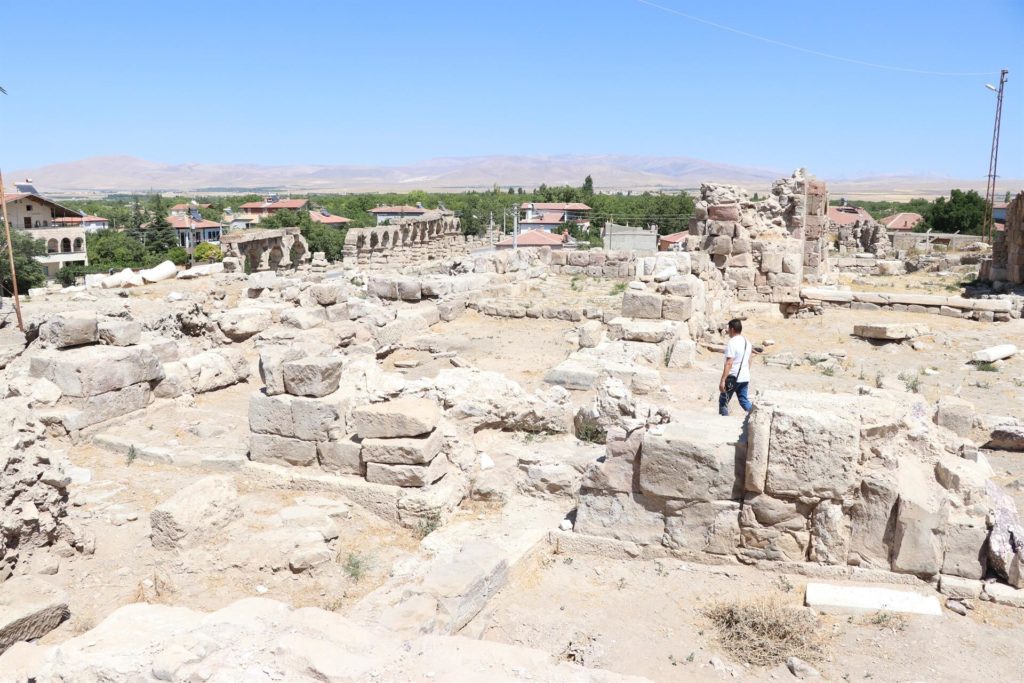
(393, 82)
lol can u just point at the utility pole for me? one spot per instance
(515, 226)
(993, 160)
(10, 254)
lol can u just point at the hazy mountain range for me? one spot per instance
(610, 172)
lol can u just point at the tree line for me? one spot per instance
(962, 212)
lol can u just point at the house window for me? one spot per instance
(28, 207)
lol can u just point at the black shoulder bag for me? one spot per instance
(732, 380)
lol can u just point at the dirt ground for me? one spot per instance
(647, 618)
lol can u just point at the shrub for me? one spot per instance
(205, 251)
(176, 255)
(766, 633)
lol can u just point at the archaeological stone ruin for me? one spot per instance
(361, 470)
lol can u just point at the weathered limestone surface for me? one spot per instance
(29, 609)
(404, 417)
(194, 514)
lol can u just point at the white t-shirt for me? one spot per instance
(735, 350)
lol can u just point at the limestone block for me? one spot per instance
(868, 599)
(677, 308)
(30, 607)
(774, 529)
(792, 263)
(649, 331)
(994, 353)
(119, 332)
(956, 415)
(720, 245)
(303, 318)
(1007, 438)
(965, 553)
(686, 285)
(281, 450)
(724, 212)
(92, 370)
(641, 304)
(871, 517)
(889, 331)
(622, 516)
(272, 360)
(238, 324)
(740, 277)
(318, 376)
(407, 475)
(70, 329)
(591, 334)
(920, 519)
(830, 534)
(688, 463)
(612, 475)
(212, 370)
(194, 514)
(811, 453)
(403, 417)
(960, 588)
(324, 294)
(683, 354)
(403, 451)
(709, 527)
(340, 457)
(758, 435)
(771, 262)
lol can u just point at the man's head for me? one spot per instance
(735, 327)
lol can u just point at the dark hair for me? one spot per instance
(735, 325)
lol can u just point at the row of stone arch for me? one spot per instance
(64, 246)
(406, 234)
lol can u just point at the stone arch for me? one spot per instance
(78, 244)
(52, 246)
(361, 242)
(252, 259)
(298, 251)
(276, 256)
(65, 246)
(374, 240)
(405, 235)
(385, 239)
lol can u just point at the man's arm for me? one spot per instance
(725, 373)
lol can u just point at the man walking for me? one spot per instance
(736, 372)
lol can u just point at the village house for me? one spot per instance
(252, 212)
(548, 216)
(847, 215)
(532, 238)
(386, 214)
(47, 220)
(193, 229)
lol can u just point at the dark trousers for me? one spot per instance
(741, 395)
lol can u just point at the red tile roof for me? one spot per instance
(279, 204)
(186, 207)
(318, 217)
(15, 196)
(183, 223)
(902, 221)
(533, 238)
(72, 220)
(674, 237)
(399, 209)
(558, 206)
(848, 215)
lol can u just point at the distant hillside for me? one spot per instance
(610, 173)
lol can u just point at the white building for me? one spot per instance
(387, 214)
(46, 220)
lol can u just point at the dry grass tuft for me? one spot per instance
(766, 633)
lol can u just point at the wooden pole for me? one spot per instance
(10, 254)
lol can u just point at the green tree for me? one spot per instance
(136, 220)
(964, 212)
(176, 255)
(160, 236)
(588, 187)
(1007, 197)
(112, 249)
(30, 271)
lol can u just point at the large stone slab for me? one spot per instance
(238, 324)
(70, 329)
(812, 454)
(622, 516)
(91, 370)
(29, 609)
(407, 475)
(889, 331)
(834, 599)
(641, 304)
(1007, 438)
(403, 417)
(403, 451)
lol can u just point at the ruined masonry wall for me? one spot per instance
(408, 242)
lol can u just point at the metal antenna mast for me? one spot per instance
(993, 160)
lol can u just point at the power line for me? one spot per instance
(798, 48)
